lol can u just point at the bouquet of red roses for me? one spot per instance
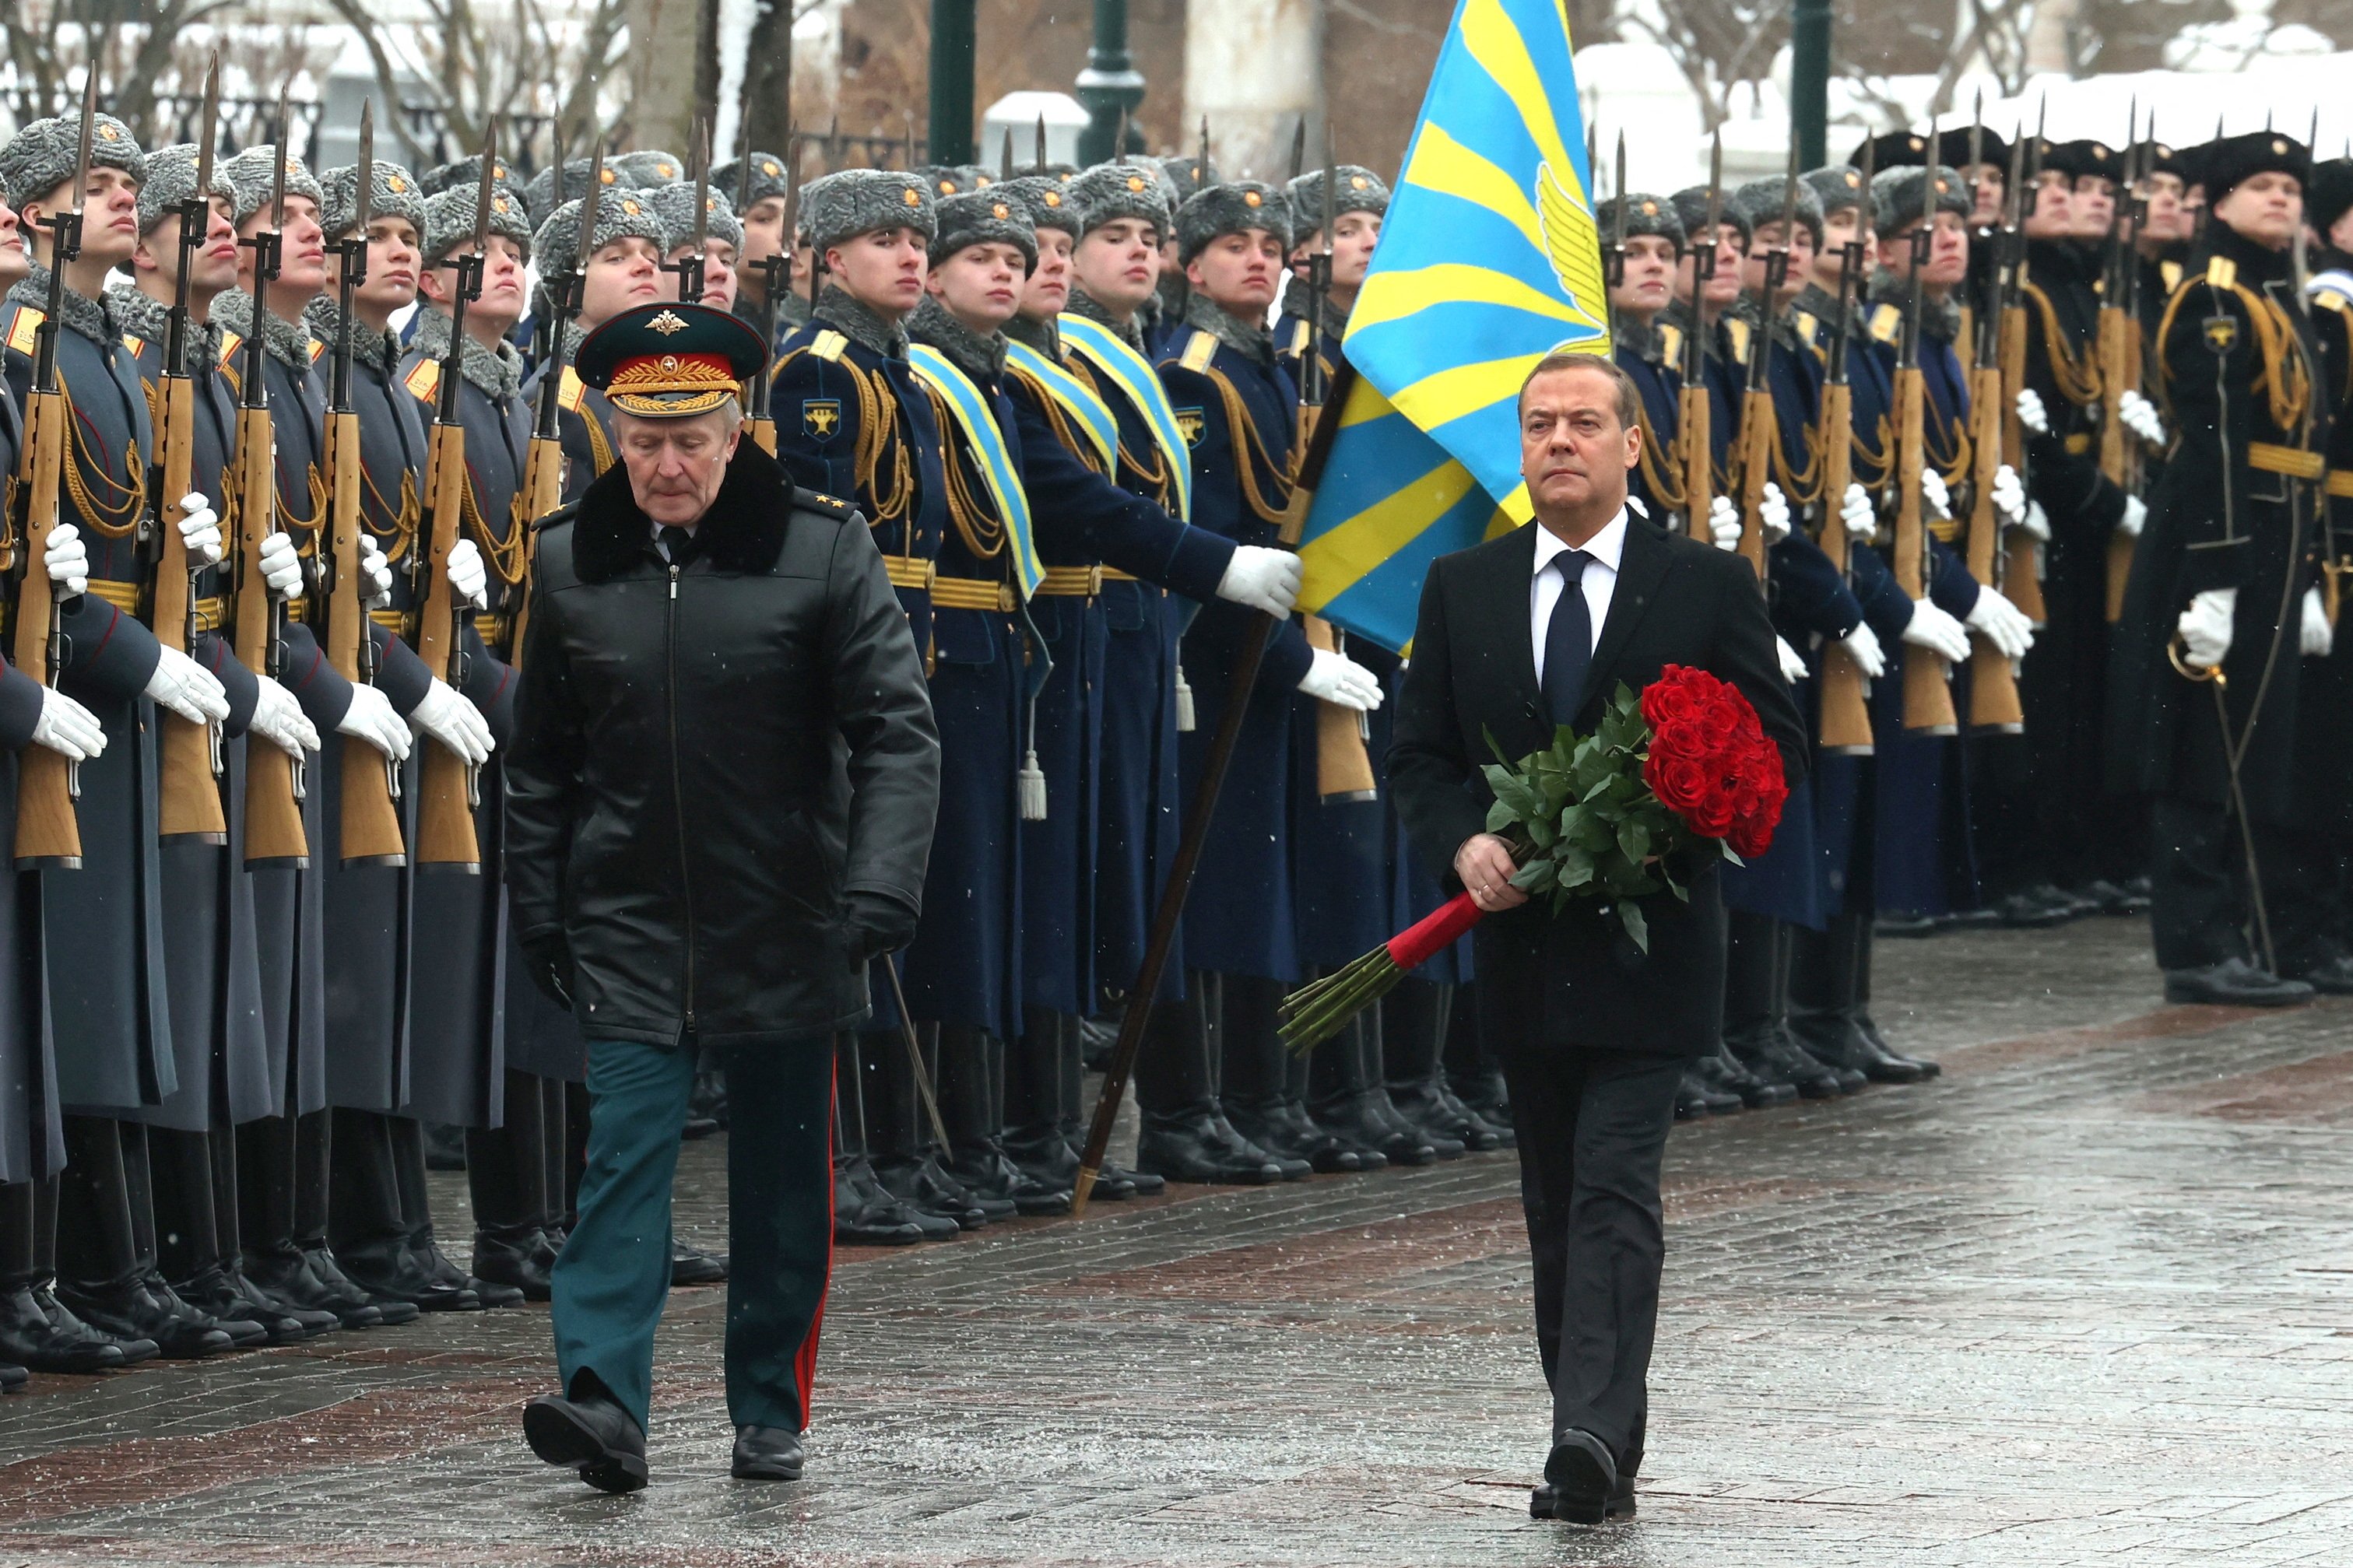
(1666, 783)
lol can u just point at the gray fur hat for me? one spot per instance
(851, 202)
(1109, 192)
(983, 218)
(540, 195)
(252, 174)
(1645, 214)
(1837, 187)
(674, 205)
(643, 171)
(393, 192)
(1759, 201)
(1186, 177)
(1359, 189)
(767, 180)
(1691, 211)
(620, 215)
(1231, 209)
(1897, 193)
(945, 180)
(1047, 201)
(40, 157)
(449, 221)
(170, 180)
(465, 172)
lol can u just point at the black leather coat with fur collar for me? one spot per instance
(709, 760)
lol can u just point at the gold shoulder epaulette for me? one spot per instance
(317, 348)
(20, 332)
(135, 343)
(832, 506)
(229, 341)
(828, 345)
(571, 392)
(1670, 342)
(2170, 273)
(424, 380)
(1200, 350)
(2330, 300)
(1298, 337)
(1887, 321)
(1737, 331)
(2221, 272)
(1806, 323)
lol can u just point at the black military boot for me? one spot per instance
(1471, 1073)
(370, 1230)
(1849, 1080)
(863, 1213)
(1726, 1076)
(29, 1335)
(106, 1277)
(1414, 1021)
(1184, 1136)
(189, 1251)
(972, 1102)
(506, 1175)
(1254, 1077)
(899, 1136)
(1407, 1138)
(1751, 1031)
(1115, 1182)
(1035, 1110)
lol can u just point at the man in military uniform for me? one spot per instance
(624, 270)
(2218, 583)
(676, 892)
(723, 237)
(758, 187)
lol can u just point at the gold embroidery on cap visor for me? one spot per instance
(672, 386)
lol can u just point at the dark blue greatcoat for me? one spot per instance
(32, 1138)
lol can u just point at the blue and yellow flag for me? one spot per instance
(1489, 260)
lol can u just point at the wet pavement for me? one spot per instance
(2087, 1299)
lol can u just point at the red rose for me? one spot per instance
(1667, 701)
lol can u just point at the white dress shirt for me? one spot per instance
(1607, 548)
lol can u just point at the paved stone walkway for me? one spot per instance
(2088, 1298)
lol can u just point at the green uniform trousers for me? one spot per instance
(614, 1272)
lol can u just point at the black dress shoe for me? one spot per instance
(1199, 1146)
(2036, 910)
(30, 1336)
(518, 1263)
(217, 1294)
(1582, 1475)
(128, 1312)
(2332, 976)
(1782, 1061)
(2234, 982)
(866, 1216)
(313, 1319)
(690, 1265)
(1285, 1130)
(309, 1278)
(1140, 1183)
(1431, 1106)
(921, 1183)
(391, 1271)
(1268, 1130)
(1407, 1145)
(2113, 897)
(596, 1436)
(1725, 1072)
(1621, 1505)
(1869, 1030)
(986, 1170)
(1049, 1166)
(766, 1454)
(1691, 1099)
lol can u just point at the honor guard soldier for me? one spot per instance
(2162, 236)
(1359, 200)
(1646, 230)
(624, 270)
(677, 892)
(1181, 180)
(757, 184)
(2206, 678)
(723, 239)
(465, 174)
(854, 421)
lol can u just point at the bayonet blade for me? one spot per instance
(1005, 156)
(1331, 184)
(1299, 146)
(743, 162)
(487, 184)
(207, 116)
(89, 125)
(1119, 136)
(1042, 159)
(365, 186)
(701, 184)
(284, 152)
(1617, 193)
(1790, 199)
(1201, 164)
(1714, 194)
(588, 205)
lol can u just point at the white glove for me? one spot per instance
(1773, 515)
(1256, 577)
(370, 719)
(2031, 413)
(2036, 521)
(2140, 418)
(1862, 645)
(67, 560)
(1933, 629)
(1861, 518)
(1724, 521)
(68, 727)
(2205, 627)
(2008, 496)
(1935, 495)
(466, 578)
(1793, 663)
(456, 723)
(187, 689)
(2135, 517)
(200, 530)
(278, 719)
(281, 568)
(376, 574)
(1336, 679)
(2315, 637)
(2004, 624)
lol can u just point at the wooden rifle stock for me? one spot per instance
(1695, 446)
(1758, 431)
(48, 832)
(543, 492)
(445, 822)
(2021, 578)
(2119, 351)
(1845, 728)
(274, 834)
(1927, 698)
(371, 822)
(763, 431)
(189, 789)
(1993, 690)
(1343, 762)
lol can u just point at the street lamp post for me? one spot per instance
(949, 139)
(1110, 83)
(1810, 79)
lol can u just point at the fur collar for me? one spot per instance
(1634, 335)
(1043, 336)
(498, 375)
(1242, 337)
(288, 343)
(981, 357)
(93, 319)
(150, 318)
(379, 352)
(861, 326)
(1298, 299)
(743, 531)
(1939, 318)
(1085, 304)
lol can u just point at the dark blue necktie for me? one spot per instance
(678, 546)
(1569, 640)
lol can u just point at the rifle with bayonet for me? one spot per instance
(48, 830)
(2118, 345)
(1927, 698)
(688, 266)
(450, 785)
(1760, 428)
(1695, 441)
(1613, 250)
(759, 418)
(1845, 700)
(371, 832)
(189, 753)
(274, 833)
(2022, 576)
(1993, 689)
(543, 468)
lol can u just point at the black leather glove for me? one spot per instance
(549, 958)
(878, 924)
